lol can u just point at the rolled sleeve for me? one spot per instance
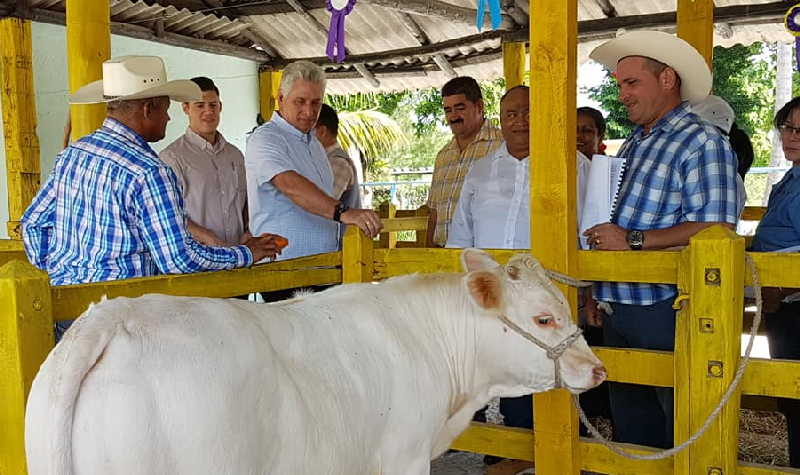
(709, 191)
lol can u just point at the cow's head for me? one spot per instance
(522, 293)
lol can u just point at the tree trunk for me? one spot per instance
(783, 94)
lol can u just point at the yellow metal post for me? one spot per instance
(268, 84)
(707, 350)
(553, 60)
(18, 99)
(26, 336)
(513, 64)
(696, 25)
(357, 259)
(88, 45)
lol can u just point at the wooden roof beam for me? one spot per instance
(439, 9)
(607, 27)
(251, 34)
(413, 27)
(366, 74)
(415, 51)
(444, 65)
(300, 10)
(174, 39)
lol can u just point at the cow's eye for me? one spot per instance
(543, 320)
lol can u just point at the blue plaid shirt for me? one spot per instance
(682, 171)
(111, 210)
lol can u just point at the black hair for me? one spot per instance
(205, 84)
(329, 118)
(463, 85)
(597, 118)
(785, 111)
(521, 86)
(743, 148)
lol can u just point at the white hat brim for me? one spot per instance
(666, 48)
(181, 90)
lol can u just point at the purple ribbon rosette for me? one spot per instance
(792, 22)
(339, 9)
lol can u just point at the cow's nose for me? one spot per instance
(599, 374)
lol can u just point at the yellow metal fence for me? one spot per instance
(709, 273)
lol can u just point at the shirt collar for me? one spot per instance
(672, 120)
(118, 128)
(195, 139)
(486, 133)
(505, 155)
(333, 147)
(290, 129)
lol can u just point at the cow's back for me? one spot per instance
(191, 385)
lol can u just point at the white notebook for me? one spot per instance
(602, 187)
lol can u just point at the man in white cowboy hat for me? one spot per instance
(680, 178)
(110, 209)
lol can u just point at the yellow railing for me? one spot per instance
(709, 272)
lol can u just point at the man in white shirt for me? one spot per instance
(494, 208)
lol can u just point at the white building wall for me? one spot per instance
(237, 80)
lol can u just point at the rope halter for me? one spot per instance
(553, 352)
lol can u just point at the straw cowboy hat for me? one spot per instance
(135, 77)
(666, 48)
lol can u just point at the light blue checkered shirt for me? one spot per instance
(274, 148)
(683, 170)
(111, 210)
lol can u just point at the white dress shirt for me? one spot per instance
(494, 208)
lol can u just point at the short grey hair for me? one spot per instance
(305, 70)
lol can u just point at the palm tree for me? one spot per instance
(374, 133)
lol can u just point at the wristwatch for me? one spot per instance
(635, 239)
(338, 210)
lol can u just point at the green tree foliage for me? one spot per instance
(743, 75)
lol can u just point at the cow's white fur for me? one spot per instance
(359, 379)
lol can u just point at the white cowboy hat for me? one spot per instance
(666, 48)
(716, 111)
(135, 77)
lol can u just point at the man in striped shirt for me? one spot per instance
(110, 209)
(474, 137)
(680, 179)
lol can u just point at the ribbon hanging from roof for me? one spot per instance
(792, 23)
(339, 9)
(494, 13)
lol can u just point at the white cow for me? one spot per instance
(373, 379)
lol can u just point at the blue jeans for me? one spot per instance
(642, 414)
(783, 334)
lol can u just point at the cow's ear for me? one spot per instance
(485, 289)
(475, 259)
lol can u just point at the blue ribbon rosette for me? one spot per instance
(792, 23)
(339, 9)
(494, 13)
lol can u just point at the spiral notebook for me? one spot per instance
(602, 188)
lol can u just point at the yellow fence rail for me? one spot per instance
(709, 272)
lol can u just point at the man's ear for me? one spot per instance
(185, 107)
(485, 289)
(668, 78)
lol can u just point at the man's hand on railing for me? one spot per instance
(266, 245)
(366, 219)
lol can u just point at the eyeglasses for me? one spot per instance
(788, 130)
